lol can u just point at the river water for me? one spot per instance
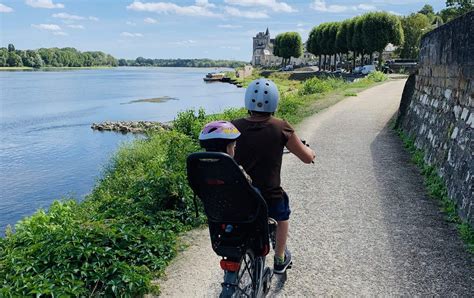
(47, 148)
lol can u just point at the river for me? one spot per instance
(48, 150)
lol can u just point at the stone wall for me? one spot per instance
(439, 112)
(246, 71)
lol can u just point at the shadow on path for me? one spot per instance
(426, 252)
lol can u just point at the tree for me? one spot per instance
(462, 6)
(358, 37)
(288, 45)
(414, 26)
(455, 8)
(426, 10)
(341, 37)
(3, 57)
(449, 14)
(349, 37)
(379, 29)
(11, 48)
(122, 62)
(314, 43)
(14, 60)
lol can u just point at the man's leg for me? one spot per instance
(281, 237)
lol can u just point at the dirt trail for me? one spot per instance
(361, 224)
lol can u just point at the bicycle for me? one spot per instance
(252, 279)
(239, 226)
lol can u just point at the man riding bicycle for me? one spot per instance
(259, 151)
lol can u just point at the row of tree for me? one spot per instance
(360, 35)
(70, 57)
(140, 61)
(53, 57)
(368, 34)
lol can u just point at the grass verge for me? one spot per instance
(123, 235)
(437, 190)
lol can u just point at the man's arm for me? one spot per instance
(304, 153)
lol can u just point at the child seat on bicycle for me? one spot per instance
(237, 213)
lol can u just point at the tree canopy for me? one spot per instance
(288, 45)
(414, 26)
(53, 57)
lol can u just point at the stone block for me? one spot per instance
(470, 121)
(455, 133)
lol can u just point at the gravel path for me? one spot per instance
(361, 224)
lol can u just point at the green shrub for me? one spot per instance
(315, 85)
(377, 76)
(115, 241)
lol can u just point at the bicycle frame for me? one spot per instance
(260, 276)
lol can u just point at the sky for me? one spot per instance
(174, 29)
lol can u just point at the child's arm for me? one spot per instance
(304, 153)
(249, 179)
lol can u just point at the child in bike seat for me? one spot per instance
(259, 150)
(221, 136)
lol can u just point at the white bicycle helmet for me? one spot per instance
(262, 96)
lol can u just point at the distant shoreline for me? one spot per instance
(24, 68)
(8, 68)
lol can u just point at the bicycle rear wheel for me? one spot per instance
(241, 283)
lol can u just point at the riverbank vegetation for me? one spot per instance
(53, 57)
(122, 236)
(14, 59)
(140, 61)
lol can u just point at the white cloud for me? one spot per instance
(320, 5)
(232, 11)
(44, 4)
(60, 33)
(186, 43)
(167, 7)
(49, 27)
(150, 21)
(272, 4)
(366, 7)
(66, 16)
(230, 48)
(76, 26)
(128, 34)
(299, 25)
(228, 26)
(204, 3)
(93, 18)
(4, 8)
(131, 23)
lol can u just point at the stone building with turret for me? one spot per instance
(263, 52)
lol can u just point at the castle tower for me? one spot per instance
(260, 42)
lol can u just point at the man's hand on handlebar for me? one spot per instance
(301, 149)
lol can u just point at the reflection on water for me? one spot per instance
(47, 149)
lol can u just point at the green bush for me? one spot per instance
(114, 242)
(317, 85)
(314, 85)
(377, 76)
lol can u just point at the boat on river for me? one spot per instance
(214, 76)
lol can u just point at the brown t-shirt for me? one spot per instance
(260, 149)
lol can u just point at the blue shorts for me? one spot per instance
(279, 210)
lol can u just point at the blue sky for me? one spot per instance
(174, 29)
